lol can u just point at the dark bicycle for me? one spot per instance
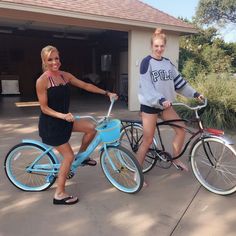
(212, 155)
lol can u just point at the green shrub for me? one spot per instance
(220, 90)
(192, 68)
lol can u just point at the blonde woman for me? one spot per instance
(159, 83)
(56, 123)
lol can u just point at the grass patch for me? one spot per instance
(220, 90)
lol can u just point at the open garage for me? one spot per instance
(102, 42)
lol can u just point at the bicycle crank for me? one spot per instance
(164, 160)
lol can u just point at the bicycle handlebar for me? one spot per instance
(198, 107)
(100, 120)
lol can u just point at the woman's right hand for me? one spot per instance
(68, 117)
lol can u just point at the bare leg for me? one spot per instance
(66, 151)
(179, 137)
(86, 127)
(149, 125)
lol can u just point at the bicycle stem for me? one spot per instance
(105, 117)
(110, 108)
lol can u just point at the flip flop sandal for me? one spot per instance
(89, 162)
(64, 201)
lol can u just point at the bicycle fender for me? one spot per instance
(228, 140)
(105, 146)
(35, 142)
(225, 139)
(43, 145)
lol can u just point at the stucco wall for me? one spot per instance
(139, 47)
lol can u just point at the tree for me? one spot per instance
(216, 11)
(204, 53)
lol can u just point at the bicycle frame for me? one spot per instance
(195, 135)
(172, 124)
(79, 157)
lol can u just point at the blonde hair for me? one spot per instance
(158, 34)
(45, 53)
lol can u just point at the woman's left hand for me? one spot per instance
(112, 96)
(201, 98)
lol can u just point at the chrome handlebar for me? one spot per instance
(102, 119)
(196, 108)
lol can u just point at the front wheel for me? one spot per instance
(28, 168)
(214, 165)
(122, 169)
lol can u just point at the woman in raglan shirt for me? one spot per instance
(158, 85)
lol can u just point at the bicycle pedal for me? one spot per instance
(89, 162)
(50, 178)
(70, 175)
(178, 167)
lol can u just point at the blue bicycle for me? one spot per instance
(33, 166)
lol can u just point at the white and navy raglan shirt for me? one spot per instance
(159, 81)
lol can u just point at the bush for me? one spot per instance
(191, 69)
(221, 94)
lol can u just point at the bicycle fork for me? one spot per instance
(111, 162)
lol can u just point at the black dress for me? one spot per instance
(54, 131)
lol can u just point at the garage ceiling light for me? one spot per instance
(4, 31)
(61, 36)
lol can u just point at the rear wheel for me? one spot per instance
(214, 165)
(131, 138)
(122, 169)
(25, 175)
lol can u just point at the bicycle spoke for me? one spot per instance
(216, 169)
(120, 167)
(24, 167)
(131, 138)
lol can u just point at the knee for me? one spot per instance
(93, 129)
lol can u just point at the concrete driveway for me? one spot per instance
(174, 203)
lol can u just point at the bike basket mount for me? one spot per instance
(110, 131)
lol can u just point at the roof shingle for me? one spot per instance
(122, 9)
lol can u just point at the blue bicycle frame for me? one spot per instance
(79, 157)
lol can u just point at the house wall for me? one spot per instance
(139, 47)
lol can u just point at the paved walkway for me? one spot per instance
(174, 203)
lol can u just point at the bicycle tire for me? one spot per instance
(122, 169)
(131, 138)
(19, 158)
(220, 176)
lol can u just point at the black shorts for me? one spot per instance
(150, 110)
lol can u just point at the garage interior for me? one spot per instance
(98, 56)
